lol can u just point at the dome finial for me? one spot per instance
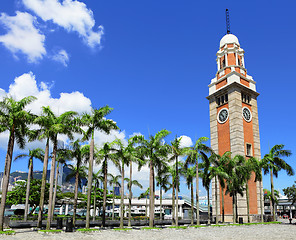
(227, 22)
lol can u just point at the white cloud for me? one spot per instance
(23, 36)
(62, 57)
(74, 16)
(185, 141)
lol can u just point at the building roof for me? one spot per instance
(228, 39)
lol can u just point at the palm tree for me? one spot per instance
(177, 151)
(50, 126)
(189, 174)
(257, 169)
(37, 153)
(162, 181)
(95, 121)
(272, 163)
(115, 182)
(221, 162)
(218, 172)
(153, 151)
(272, 199)
(198, 150)
(172, 171)
(145, 195)
(97, 177)
(15, 119)
(236, 181)
(107, 152)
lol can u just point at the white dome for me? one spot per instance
(228, 39)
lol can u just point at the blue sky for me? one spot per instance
(151, 61)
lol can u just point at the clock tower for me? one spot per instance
(234, 120)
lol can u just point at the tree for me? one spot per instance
(153, 151)
(145, 195)
(18, 194)
(97, 177)
(272, 163)
(50, 126)
(162, 181)
(177, 150)
(272, 199)
(95, 121)
(189, 174)
(14, 119)
(290, 192)
(115, 182)
(236, 181)
(199, 150)
(107, 152)
(221, 162)
(80, 154)
(37, 153)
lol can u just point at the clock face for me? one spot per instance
(223, 115)
(247, 115)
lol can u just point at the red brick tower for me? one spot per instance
(234, 118)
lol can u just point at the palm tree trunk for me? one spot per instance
(6, 174)
(209, 209)
(95, 199)
(55, 189)
(105, 167)
(192, 203)
(113, 204)
(160, 199)
(75, 195)
(43, 183)
(234, 207)
(261, 205)
(272, 195)
(122, 196)
(89, 178)
(130, 196)
(177, 193)
(151, 195)
(173, 204)
(248, 202)
(51, 181)
(216, 199)
(223, 211)
(28, 188)
(197, 193)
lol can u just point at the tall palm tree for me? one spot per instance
(97, 177)
(107, 152)
(162, 181)
(172, 171)
(50, 126)
(198, 150)
(37, 153)
(14, 119)
(177, 151)
(272, 163)
(189, 174)
(218, 172)
(115, 182)
(236, 181)
(222, 162)
(79, 154)
(95, 121)
(153, 151)
(257, 169)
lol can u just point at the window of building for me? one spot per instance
(246, 98)
(223, 63)
(222, 99)
(249, 149)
